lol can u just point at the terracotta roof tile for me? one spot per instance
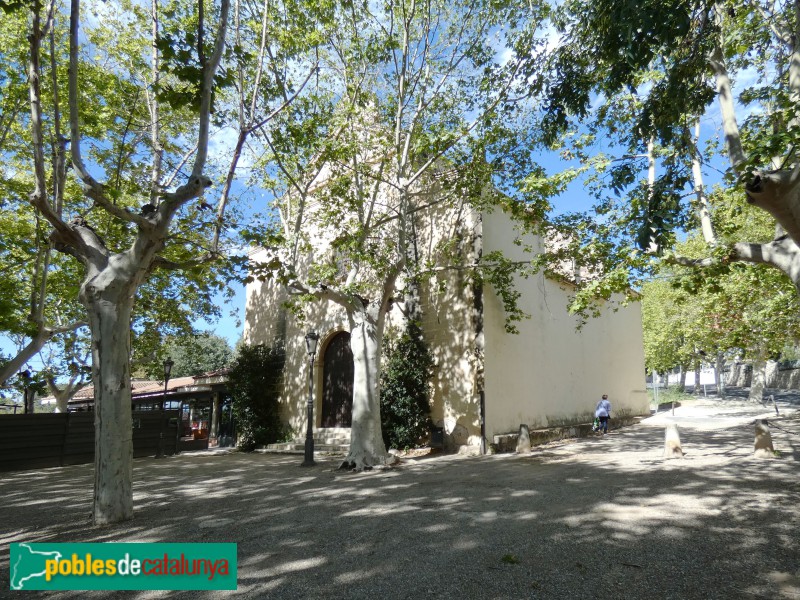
(143, 386)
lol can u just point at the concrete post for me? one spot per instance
(524, 439)
(763, 442)
(672, 442)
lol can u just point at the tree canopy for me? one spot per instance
(109, 156)
(413, 112)
(122, 145)
(622, 95)
(196, 355)
(745, 310)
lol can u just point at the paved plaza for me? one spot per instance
(601, 517)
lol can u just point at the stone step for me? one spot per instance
(326, 439)
(508, 442)
(332, 433)
(299, 448)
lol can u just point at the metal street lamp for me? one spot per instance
(167, 370)
(311, 348)
(27, 393)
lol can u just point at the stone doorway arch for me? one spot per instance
(337, 382)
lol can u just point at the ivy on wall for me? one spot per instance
(255, 383)
(405, 392)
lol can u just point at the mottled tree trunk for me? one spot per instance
(758, 380)
(682, 382)
(366, 441)
(110, 322)
(112, 278)
(62, 403)
(719, 375)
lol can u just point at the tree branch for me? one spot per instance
(244, 131)
(287, 101)
(197, 181)
(184, 159)
(159, 262)
(38, 195)
(794, 65)
(702, 202)
(781, 253)
(726, 102)
(779, 30)
(43, 335)
(91, 187)
(323, 292)
(155, 133)
(206, 94)
(467, 130)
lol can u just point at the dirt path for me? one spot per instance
(592, 518)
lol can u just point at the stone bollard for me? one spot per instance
(763, 443)
(524, 439)
(672, 442)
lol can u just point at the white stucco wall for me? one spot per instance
(451, 322)
(550, 373)
(448, 323)
(268, 322)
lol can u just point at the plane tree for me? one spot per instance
(626, 86)
(748, 310)
(664, 324)
(37, 303)
(122, 125)
(417, 114)
(196, 354)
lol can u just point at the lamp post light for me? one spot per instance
(167, 370)
(311, 348)
(27, 393)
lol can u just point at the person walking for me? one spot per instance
(603, 412)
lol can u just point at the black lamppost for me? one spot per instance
(167, 370)
(311, 347)
(27, 393)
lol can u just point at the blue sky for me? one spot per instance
(575, 198)
(229, 326)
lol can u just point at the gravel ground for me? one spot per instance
(602, 517)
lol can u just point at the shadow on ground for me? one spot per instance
(785, 397)
(593, 518)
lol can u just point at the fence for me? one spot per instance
(783, 376)
(55, 440)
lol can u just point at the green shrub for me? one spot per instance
(255, 383)
(405, 394)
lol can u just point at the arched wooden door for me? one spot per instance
(337, 382)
